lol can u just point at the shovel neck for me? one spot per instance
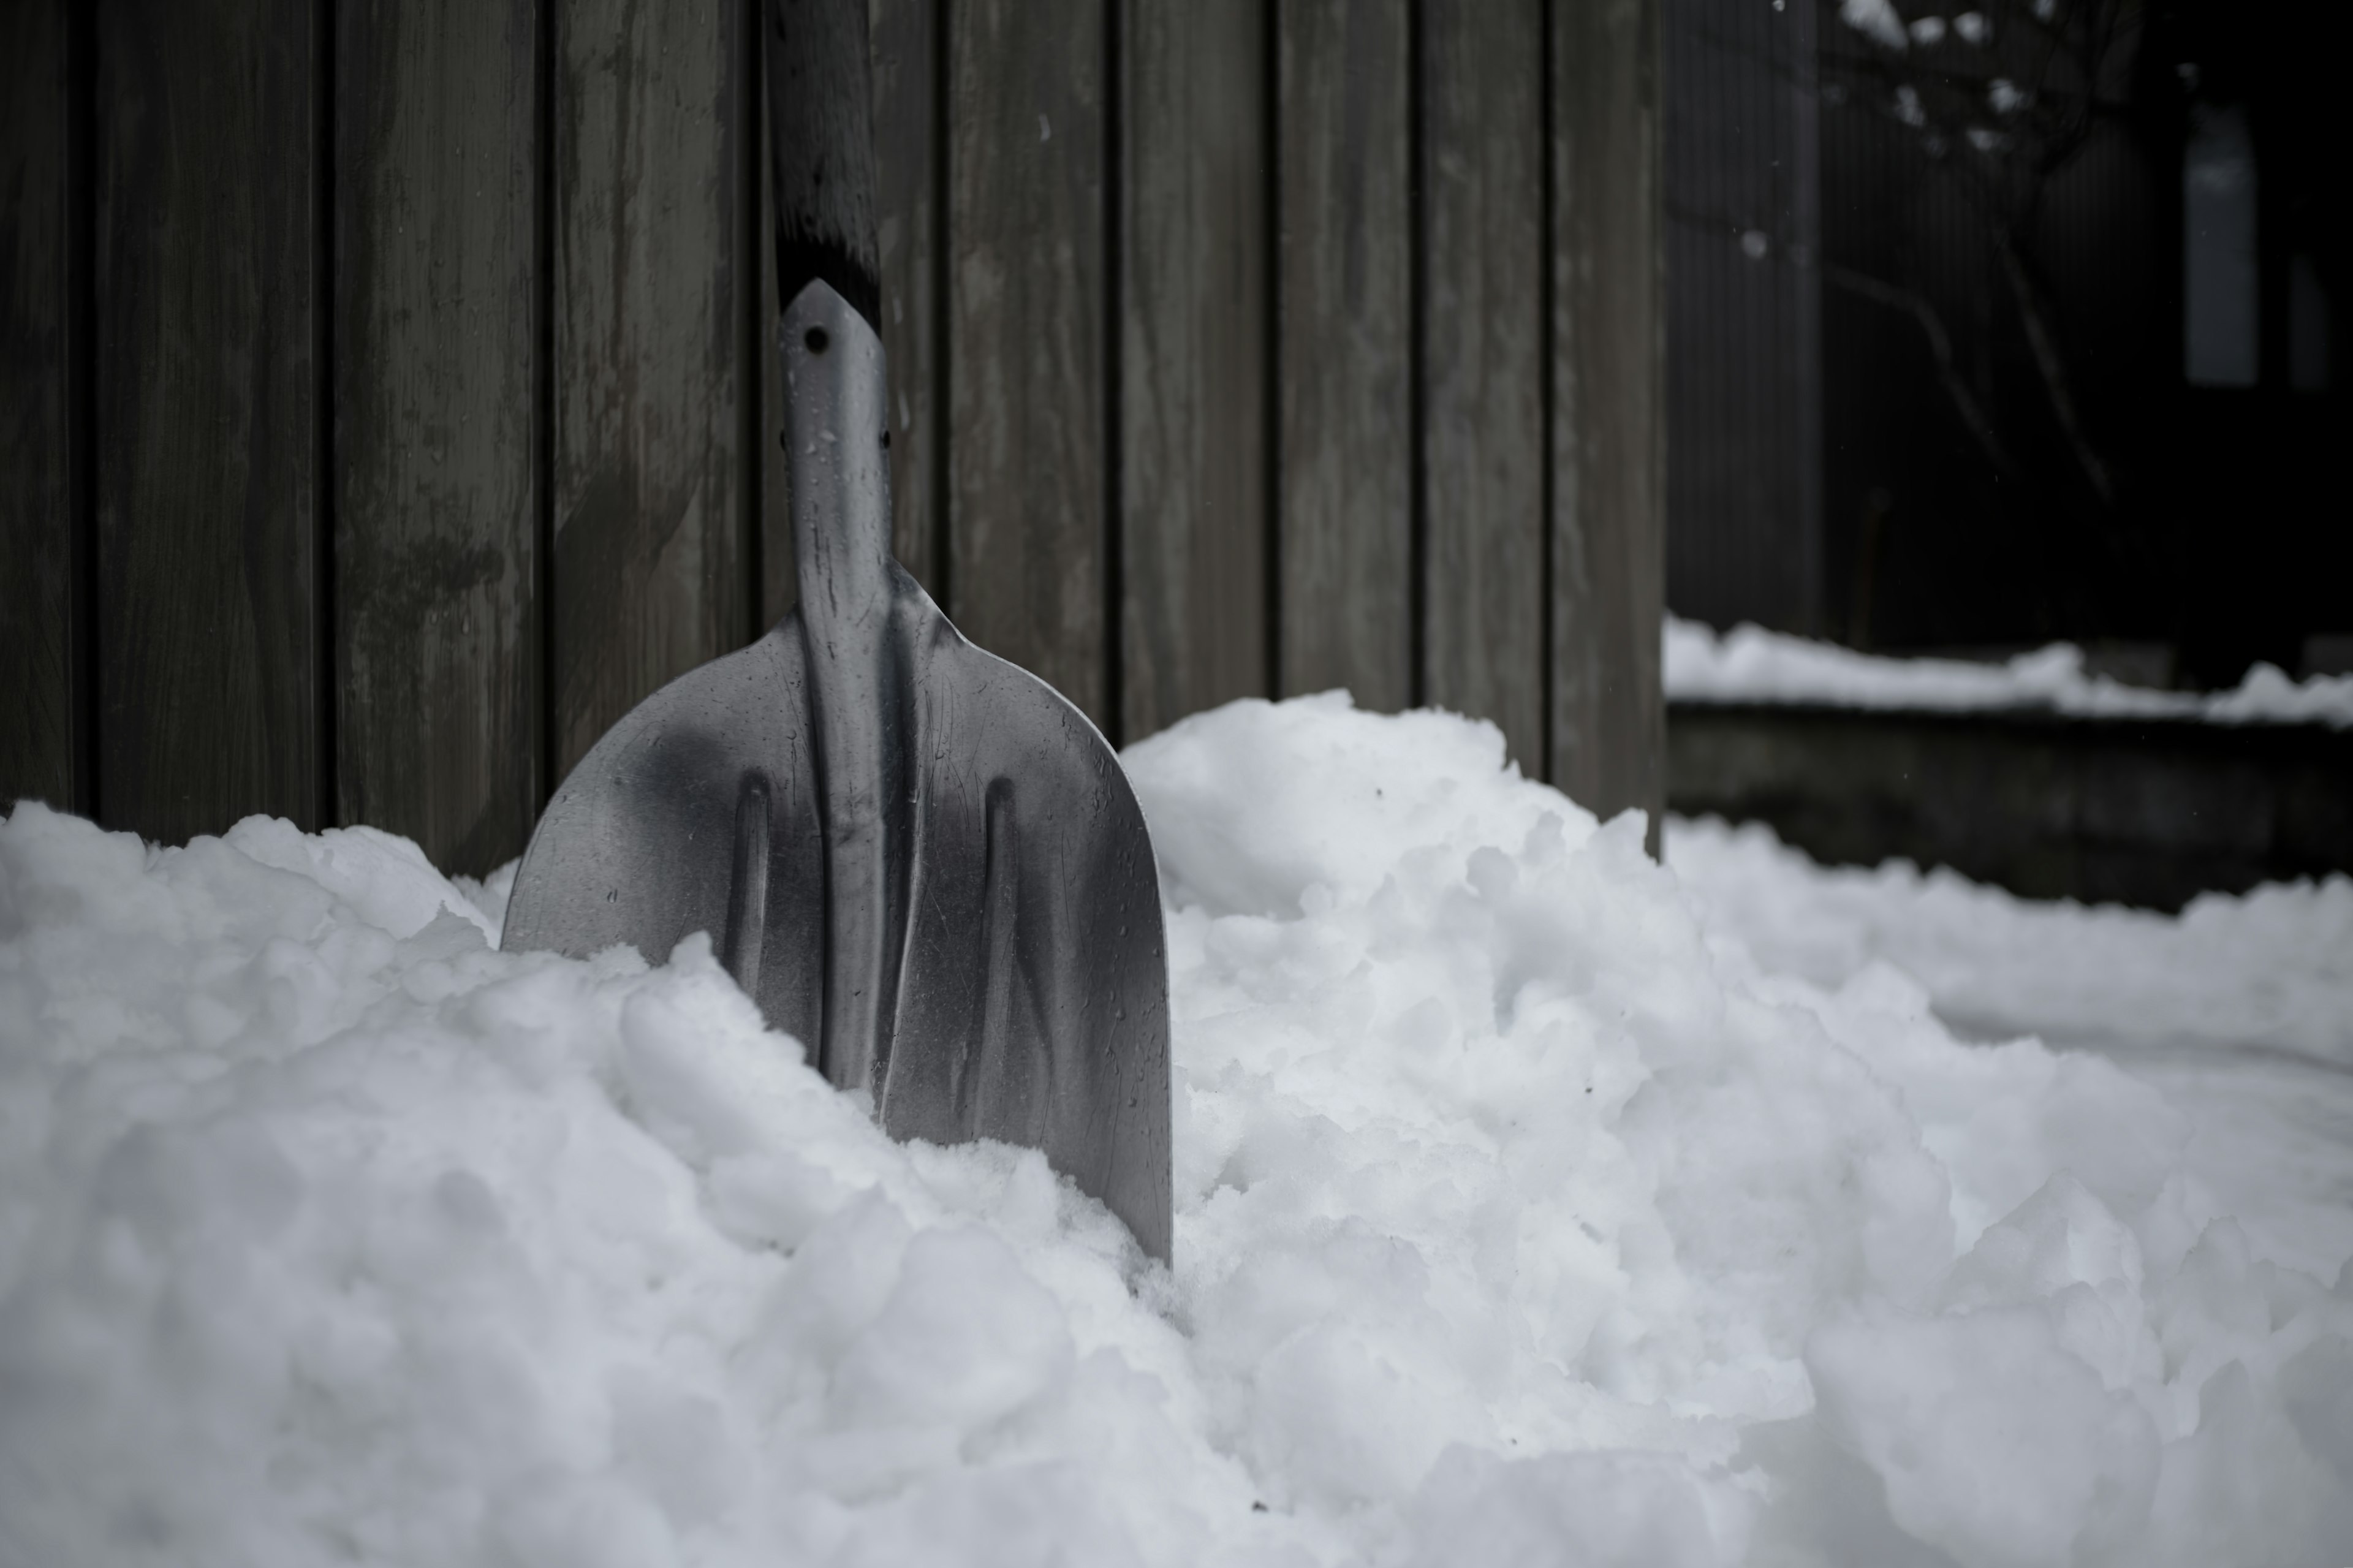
(836, 430)
(835, 408)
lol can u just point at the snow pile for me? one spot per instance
(2240, 1009)
(1750, 663)
(1519, 1222)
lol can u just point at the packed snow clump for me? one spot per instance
(1520, 1220)
(1750, 663)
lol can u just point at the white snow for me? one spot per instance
(1524, 1217)
(1750, 663)
(2240, 1009)
(1877, 18)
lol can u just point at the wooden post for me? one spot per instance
(1344, 326)
(1608, 434)
(1196, 312)
(1028, 461)
(437, 496)
(208, 431)
(648, 578)
(768, 465)
(43, 704)
(908, 133)
(1482, 341)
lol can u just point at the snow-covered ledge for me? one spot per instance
(1750, 663)
(2034, 775)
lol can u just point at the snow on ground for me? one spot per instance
(1523, 1217)
(2240, 1009)
(1750, 663)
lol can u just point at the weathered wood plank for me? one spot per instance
(906, 46)
(38, 703)
(779, 585)
(1344, 317)
(1482, 337)
(1028, 478)
(206, 389)
(1608, 434)
(1196, 312)
(648, 342)
(436, 497)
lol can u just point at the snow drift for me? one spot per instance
(1518, 1222)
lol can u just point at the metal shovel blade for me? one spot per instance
(918, 859)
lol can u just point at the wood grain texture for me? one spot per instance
(1196, 312)
(1027, 477)
(779, 585)
(906, 45)
(207, 392)
(38, 705)
(1343, 315)
(649, 485)
(1609, 437)
(435, 499)
(1482, 347)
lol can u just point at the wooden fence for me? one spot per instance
(388, 403)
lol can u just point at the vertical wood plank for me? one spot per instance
(1028, 476)
(648, 482)
(38, 732)
(906, 45)
(1483, 326)
(1343, 314)
(206, 389)
(1609, 436)
(436, 499)
(1195, 311)
(779, 587)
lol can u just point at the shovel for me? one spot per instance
(912, 854)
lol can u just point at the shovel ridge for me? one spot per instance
(748, 899)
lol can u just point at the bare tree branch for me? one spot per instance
(1940, 345)
(2054, 370)
(1998, 119)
